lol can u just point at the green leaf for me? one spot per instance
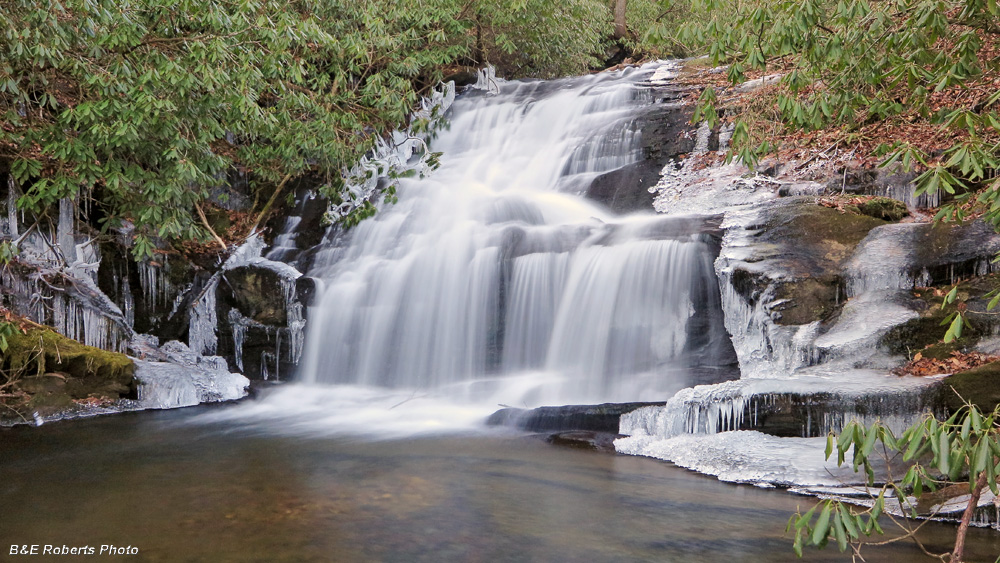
(955, 330)
(869, 442)
(848, 519)
(980, 458)
(819, 533)
(944, 452)
(950, 297)
(916, 440)
(878, 506)
(839, 533)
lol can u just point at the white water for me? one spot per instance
(492, 281)
(492, 277)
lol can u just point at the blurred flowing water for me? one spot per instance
(493, 279)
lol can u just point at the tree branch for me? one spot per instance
(204, 221)
(270, 202)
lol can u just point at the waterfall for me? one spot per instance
(493, 272)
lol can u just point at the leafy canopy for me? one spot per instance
(143, 106)
(854, 62)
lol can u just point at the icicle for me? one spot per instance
(202, 328)
(239, 324)
(486, 80)
(156, 287)
(701, 140)
(12, 222)
(296, 332)
(66, 229)
(128, 302)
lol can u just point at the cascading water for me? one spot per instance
(494, 279)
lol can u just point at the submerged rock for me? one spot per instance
(598, 441)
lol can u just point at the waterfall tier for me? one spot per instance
(495, 266)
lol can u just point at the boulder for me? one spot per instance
(590, 418)
(980, 386)
(260, 294)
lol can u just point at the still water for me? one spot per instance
(182, 489)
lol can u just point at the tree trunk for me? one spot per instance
(621, 30)
(479, 54)
(959, 552)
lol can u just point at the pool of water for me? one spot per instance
(179, 488)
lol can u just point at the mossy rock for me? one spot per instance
(812, 242)
(925, 334)
(822, 235)
(219, 219)
(49, 371)
(981, 386)
(883, 208)
(808, 300)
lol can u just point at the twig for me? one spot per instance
(403, 402)
(204, 221)
(270, 202)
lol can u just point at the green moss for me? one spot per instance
(883, 208)
(981, 386)
(48, 371)
(808, 300)
(41, 351)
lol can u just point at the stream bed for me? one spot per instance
(187, 485)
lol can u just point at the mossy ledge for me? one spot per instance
(46, 373)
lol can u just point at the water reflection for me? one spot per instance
(183, 492)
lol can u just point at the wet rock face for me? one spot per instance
(797, 250)
(588, 418)
(257, 293)
(951, 252)
(259, 315)
(666, 134)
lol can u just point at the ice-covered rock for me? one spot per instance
(186, 379)
(746, 457)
